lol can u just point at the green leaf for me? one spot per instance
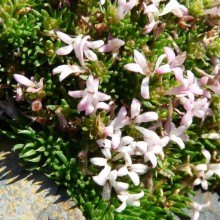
(62, 157)
(27, 132)
(28, 153)
(29, 145)
(35, 160)
(175, 197)
(41, 149)
(178, 211)
(148, 105)
(212, 146)
(18, 146)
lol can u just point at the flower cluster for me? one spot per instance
(136, 86)
(121, 150)
(30, 87)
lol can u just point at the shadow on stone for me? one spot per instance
(26, 195)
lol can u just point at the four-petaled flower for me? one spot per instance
(205, 171)
(80, 45)
(177, 135)
(92, 99)
(113, 46)
(176, 8)
(124, 7)
(174, 63)
(190, 87)
(137, 118)
(129, 199)
(199, 108)
(197, 208)
(66, 70)
(141, 66)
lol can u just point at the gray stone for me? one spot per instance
(30, 196)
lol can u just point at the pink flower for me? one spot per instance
(32, 86)
(80, 45)
(152, 8)
(66, 70)
(91, 98)
(141, 66)
(113, 46)
(152, 12)
(189, 88)
(215, 86)
(150, 26)
(199, 108)
(176, 8)
(124, 7)
(136, 117)
(61, 2)
(174, 63)
(215, 11)
(36, 105)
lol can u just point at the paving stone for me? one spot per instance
(30, 196)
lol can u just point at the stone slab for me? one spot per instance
(30, 196)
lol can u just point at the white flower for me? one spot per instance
(211, 135)
(102, 2)
(66, 70)
(113, 129)
(129, 199)
(92, 99)
(197, 208)
(125, 149)
(133, 171)
(102, 177)
(201, 179)
(155, 145)
(118, 186)
(205, 171)
(177, 135)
